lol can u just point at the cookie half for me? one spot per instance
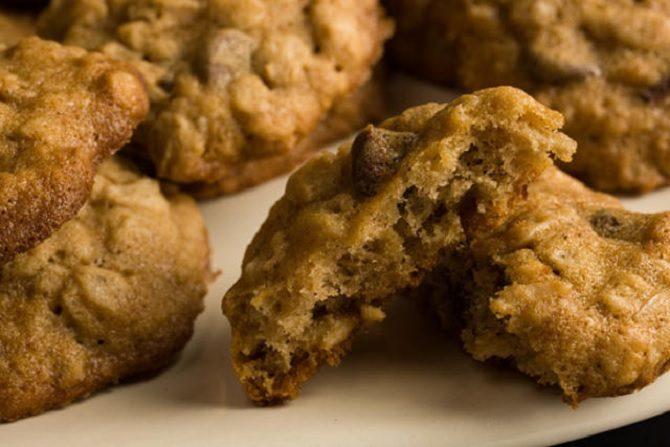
(230, 82)
(62, 111)
(355, 228)
(111, 294)
(571, 288)
(604, 64)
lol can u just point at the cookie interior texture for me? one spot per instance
(229, 81)
(366, 105)
(604, 64)
(355, 228)
(62, 111)
(111, 294)
(571, 288)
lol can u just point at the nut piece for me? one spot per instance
(375, 156)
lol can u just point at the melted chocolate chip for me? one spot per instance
(376, 154)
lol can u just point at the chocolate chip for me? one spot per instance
(376, 154)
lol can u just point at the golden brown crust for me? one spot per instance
(63, 112)
(604, 64)
(572, 289)
(367, 105)
(112, 294)
(328, 258)
(230, 82)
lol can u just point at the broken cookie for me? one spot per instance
(571, 288)
(357, 227)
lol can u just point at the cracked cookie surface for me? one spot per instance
(62, 111)
(604, 64)
(356, 227)
(229, 81)
(111, 294)
(572, 289)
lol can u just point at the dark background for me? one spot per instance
(650, 433)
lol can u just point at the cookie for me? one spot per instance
(62, 111)
(366, 105)
(355, 228)
(112, 294)
(604, 64)
(232, 83)
(572, 289)
(15, 26)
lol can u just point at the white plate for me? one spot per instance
(406, 384)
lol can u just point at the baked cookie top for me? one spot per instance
(112, 293)
(604, 64)
(62, 111)
(229, 81)
(356, 227)
(574, 290)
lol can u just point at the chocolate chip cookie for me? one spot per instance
(62, 111)
(355, 228)
(571, 288)
(230, 82)
(111, 294)
(604, 64)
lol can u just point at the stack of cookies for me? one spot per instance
(101, 273)
(104, 264)
(103, 269)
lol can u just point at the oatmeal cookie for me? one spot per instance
(15, 26)
(572, 289)
(366, 105)
(111, 294)
(62, 111)
(604, 64)
(356, 227)
(231, 83)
